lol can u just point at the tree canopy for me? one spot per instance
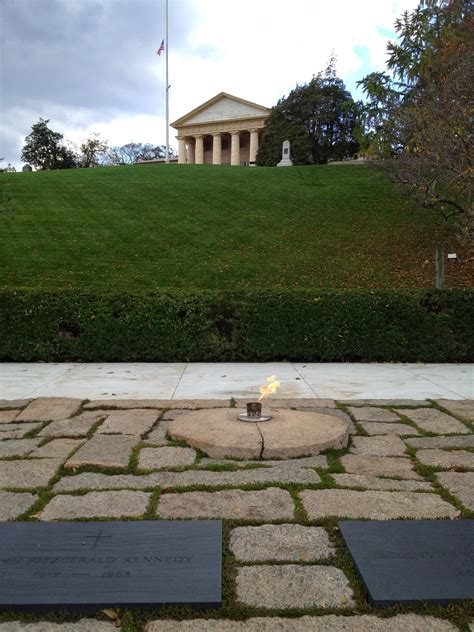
(44, 149)
(94, 151)
(318, 118)
(418, 115)
(134, 152)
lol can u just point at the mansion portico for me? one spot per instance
(222, 131)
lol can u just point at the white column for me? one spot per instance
(181, 151)
(190, 152)
(253, 145)
(235, 149)
(216, 149)
(199, 150)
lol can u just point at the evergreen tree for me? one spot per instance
(319, 119)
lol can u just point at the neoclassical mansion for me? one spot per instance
(222, 131)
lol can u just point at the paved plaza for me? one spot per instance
(74, 458)
(196, 380)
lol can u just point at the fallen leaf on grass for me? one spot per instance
(114, 615)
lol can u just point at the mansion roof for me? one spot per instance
(223, 107)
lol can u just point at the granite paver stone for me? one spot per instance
(112, 504)
(268, 504)
(460, 407)
(379, 445)
(27, 473)
(158, 436)
(460, 484)
(78, 426)
(166, 457)
(317, 460)
(13, 505)
(375, 505)
(134, 422)
(284, 542)
(274, 475)
(189, 404)
(376, 428)
(433, 420)
(172, 413)
(57, 448)
(370, 413)
(379, 466)
(293, 586)
(17, 447)
(384, 402)
(376, 482)
(10, 404)
(8, 416)
(446, 458)
(50, 409)
(17, 431)
(432, 443)
(104, 451)
(325, 623)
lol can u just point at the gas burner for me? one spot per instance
(254, 413)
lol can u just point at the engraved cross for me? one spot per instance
(97, 537)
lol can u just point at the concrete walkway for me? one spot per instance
(225, 380)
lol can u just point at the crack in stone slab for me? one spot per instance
(262, 442)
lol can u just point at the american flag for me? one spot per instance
(162, 48)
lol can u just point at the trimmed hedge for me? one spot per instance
(205, 326)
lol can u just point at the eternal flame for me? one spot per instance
(222, 131)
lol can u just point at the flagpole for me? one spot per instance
(167, 153)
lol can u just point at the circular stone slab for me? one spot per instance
(289, 434)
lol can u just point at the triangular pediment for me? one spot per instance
(222, 107)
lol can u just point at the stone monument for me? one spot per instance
(285, 155)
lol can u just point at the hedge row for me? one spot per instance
(305, 326)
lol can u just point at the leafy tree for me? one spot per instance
(44, 149)
(419, 117)
(319, 119)
(94, 151)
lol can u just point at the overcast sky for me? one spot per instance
(91, 65)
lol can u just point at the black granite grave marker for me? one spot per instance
(87, 566)
(409, 561)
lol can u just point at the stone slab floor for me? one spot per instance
(285, 565)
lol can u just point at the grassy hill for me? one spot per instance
(146, 227)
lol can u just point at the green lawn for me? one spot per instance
(146, 227)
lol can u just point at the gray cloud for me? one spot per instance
(88, 59)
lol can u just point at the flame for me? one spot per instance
(270, 388)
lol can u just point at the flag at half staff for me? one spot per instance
(162, 48)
